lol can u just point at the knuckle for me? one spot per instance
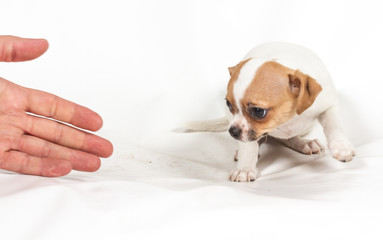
(46, 150)
(7, 52)
(29, 124)
(58, 132)
(26, 164)
(53, 107)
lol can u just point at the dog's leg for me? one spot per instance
(340, 147)
(246, 170)
(303, 145)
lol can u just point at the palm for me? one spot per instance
(31, 144)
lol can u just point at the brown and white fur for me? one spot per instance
(280, 90)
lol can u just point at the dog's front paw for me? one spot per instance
(243, 175)
(342, 150)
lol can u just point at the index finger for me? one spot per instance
(15, 49)
(52, 106)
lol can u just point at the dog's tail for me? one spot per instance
(215, 125)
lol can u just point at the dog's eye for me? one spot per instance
(228, 104)
(257, 113)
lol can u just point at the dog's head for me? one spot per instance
(263, 95)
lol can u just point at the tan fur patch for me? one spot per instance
(305, 88)
(270, 90)
(282, 91)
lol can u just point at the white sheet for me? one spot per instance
(151, 195)
(146, 66)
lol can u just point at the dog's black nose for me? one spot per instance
(235, 132)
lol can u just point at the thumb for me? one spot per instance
(16, 49)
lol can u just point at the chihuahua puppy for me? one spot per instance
(279, 90)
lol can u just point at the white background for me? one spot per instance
(146, 66)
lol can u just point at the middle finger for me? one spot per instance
(67, 136)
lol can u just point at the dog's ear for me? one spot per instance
(232, 70)
(304, 88)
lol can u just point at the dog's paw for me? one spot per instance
(309, 146)
(312, 147)
(342, 150)
(243, 175)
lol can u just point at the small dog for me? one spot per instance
(279, 90)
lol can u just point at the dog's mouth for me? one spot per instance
(255, 138)
(251, 136)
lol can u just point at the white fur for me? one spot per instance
(340, 147)
(245, 78)
(303, 145)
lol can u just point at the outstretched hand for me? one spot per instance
(30, 143)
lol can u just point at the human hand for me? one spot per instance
(33, 144)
